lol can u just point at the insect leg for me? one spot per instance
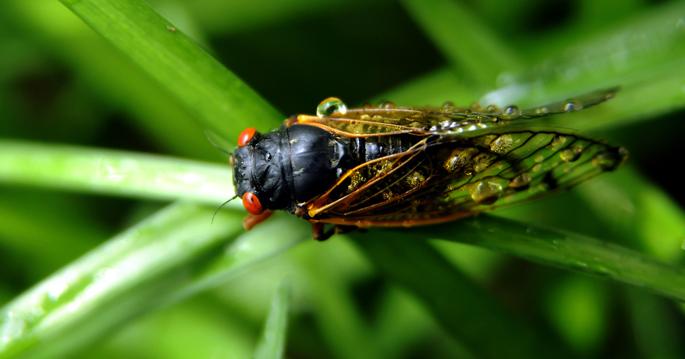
(254, 219)
(320, 233)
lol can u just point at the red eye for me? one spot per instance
(251, 203)
(245, 136)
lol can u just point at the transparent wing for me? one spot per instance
(447, 120)
(445, 178)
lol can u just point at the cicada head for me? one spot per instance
(257, 172)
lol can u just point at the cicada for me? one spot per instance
(390, 166)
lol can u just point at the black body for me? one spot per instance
(295, 164)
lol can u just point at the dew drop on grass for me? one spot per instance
(572, 105)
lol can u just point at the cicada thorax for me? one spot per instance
(296, 164)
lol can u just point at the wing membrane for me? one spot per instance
(451, 177)
(447, 120)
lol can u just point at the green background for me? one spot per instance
(108, 182)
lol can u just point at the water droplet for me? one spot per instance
(511, 112)
(609, 160)
(459, 159)
(330, 106)
(486, 192)
(491, 109)
(483, 161)
(602, 270)
(541, 110)
(502, 144)
(572, 105)
(447, 124)
(521, 181)
(570, 154)
(415, 179)
(558, 141)
(447, 106)
(387, 105)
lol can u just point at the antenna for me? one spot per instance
(217, 142)
(222, 206)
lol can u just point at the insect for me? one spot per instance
(389, 166)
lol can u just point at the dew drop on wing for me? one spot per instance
(609, 160)
(485, 192)
(502, 144)
(520, 182)
(387, 105)
(569, 155)
(331, 106)
(511, 112)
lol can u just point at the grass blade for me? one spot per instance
(113, 172)
(467, 312)
(562, 249)
(467, 43)
(156, 262)
(207, 89)
(272, 344)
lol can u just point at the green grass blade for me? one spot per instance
(272, 344)
(649, 218)
(636, 53)
(467, 43)
(165, 258)
(112, 77)
(340, 321)
(207, 89)
(30, 225)
(654, 326)
(120, 279)
(649, 70)
(562, 249)
(467, 312)
(113, 172)
(252, 247)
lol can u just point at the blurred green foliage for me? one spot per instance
(169, 283)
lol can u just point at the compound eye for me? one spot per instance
(252, 204)
(246, 136)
